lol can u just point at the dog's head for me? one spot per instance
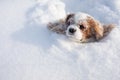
(83, 27)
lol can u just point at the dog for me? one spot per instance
(81, 27)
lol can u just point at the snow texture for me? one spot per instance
(29, 51)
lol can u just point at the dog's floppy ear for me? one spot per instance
(96, 27)
(57, 26)
(108, 28)
(69, 19)
(60, 26)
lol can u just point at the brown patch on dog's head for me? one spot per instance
(96, 28)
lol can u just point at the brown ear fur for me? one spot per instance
(96, 27)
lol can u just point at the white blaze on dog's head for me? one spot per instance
(79, 17)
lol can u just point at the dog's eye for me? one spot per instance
(81, 27)
(68, 23)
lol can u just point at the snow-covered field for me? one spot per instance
(28, 51)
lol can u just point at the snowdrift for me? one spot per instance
(29, 51)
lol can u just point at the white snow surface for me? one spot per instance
(29, 51)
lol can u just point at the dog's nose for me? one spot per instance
(72, 30)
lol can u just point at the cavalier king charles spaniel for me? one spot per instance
(81, 27)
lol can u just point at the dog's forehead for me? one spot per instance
(80, 17)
